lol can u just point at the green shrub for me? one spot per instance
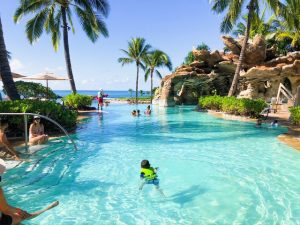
(295, 114)
(65, 117)
(233, 105)
(31, 89)
(77, 101)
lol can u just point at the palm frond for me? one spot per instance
(158, 74)
(219, 6)
(34, 27)
(125, 61)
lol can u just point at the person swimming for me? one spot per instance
(138, 112)
(148, 175)
(148, 110)
(133, 113)
(274, 123)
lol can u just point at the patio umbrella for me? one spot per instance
(45, 76)
(15, 76)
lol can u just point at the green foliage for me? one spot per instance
(77, 101)
(65, 117)
(31, 89)
(295, 114)
(191, 58)
(233, 105)
(48, 16)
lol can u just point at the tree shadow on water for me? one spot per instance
(188, 195)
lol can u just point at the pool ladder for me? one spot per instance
(44, 117)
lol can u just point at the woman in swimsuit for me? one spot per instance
(10, 215)
(4, 143)
(36, 132)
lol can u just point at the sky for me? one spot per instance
(173, 26)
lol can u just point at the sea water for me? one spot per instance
(212, 171)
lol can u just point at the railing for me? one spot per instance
(283, 90)
(44, 117)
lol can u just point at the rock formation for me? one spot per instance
(212, 72)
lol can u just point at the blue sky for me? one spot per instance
(174, 26)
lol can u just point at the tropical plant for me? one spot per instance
(154, 60)
(258, 25)
(36, 90)
(65, 117)
(191, 58)
(136, 53)
(52, 15)
(5, 71)
(77, 101)
(295, 114)
(233, 105)
(290, 29)
(141, 93)
(130, 91)
(233, 9)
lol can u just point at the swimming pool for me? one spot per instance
(212, 171)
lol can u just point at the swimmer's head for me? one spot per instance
(145, 164)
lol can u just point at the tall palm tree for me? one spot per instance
(52, 15)
(156, 59)
(136, 53)
(5, 71)
(233, 9)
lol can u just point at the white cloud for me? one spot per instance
(16, 65)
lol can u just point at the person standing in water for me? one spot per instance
(100, 98)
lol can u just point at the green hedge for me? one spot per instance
(65, 117)
(233, 105)
(295, 114)
(77, 101)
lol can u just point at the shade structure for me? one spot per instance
(45, 76)
(15, 76)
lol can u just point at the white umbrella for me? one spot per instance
(15, 76)
(45, 76)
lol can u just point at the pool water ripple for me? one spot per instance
(212, 171)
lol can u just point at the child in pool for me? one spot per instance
(148, 175)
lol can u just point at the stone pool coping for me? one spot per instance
(291, 138)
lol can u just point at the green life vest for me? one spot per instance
(149, 174)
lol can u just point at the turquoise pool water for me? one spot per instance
(212, 171)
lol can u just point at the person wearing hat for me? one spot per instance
(9, 215)
(36, 132)
(4, 143)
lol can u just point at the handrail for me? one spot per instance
(44, 117)
(283, 90)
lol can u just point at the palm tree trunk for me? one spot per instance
(151, 86)
(5, 71)
(137, 83)
(67, 51)
(234, 84)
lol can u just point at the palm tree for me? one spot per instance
(156, 59)
(5, 71)
(234, 9)
(291, 23)
(52, 15)
(137, 51)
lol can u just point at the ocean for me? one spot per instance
(111, 94)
